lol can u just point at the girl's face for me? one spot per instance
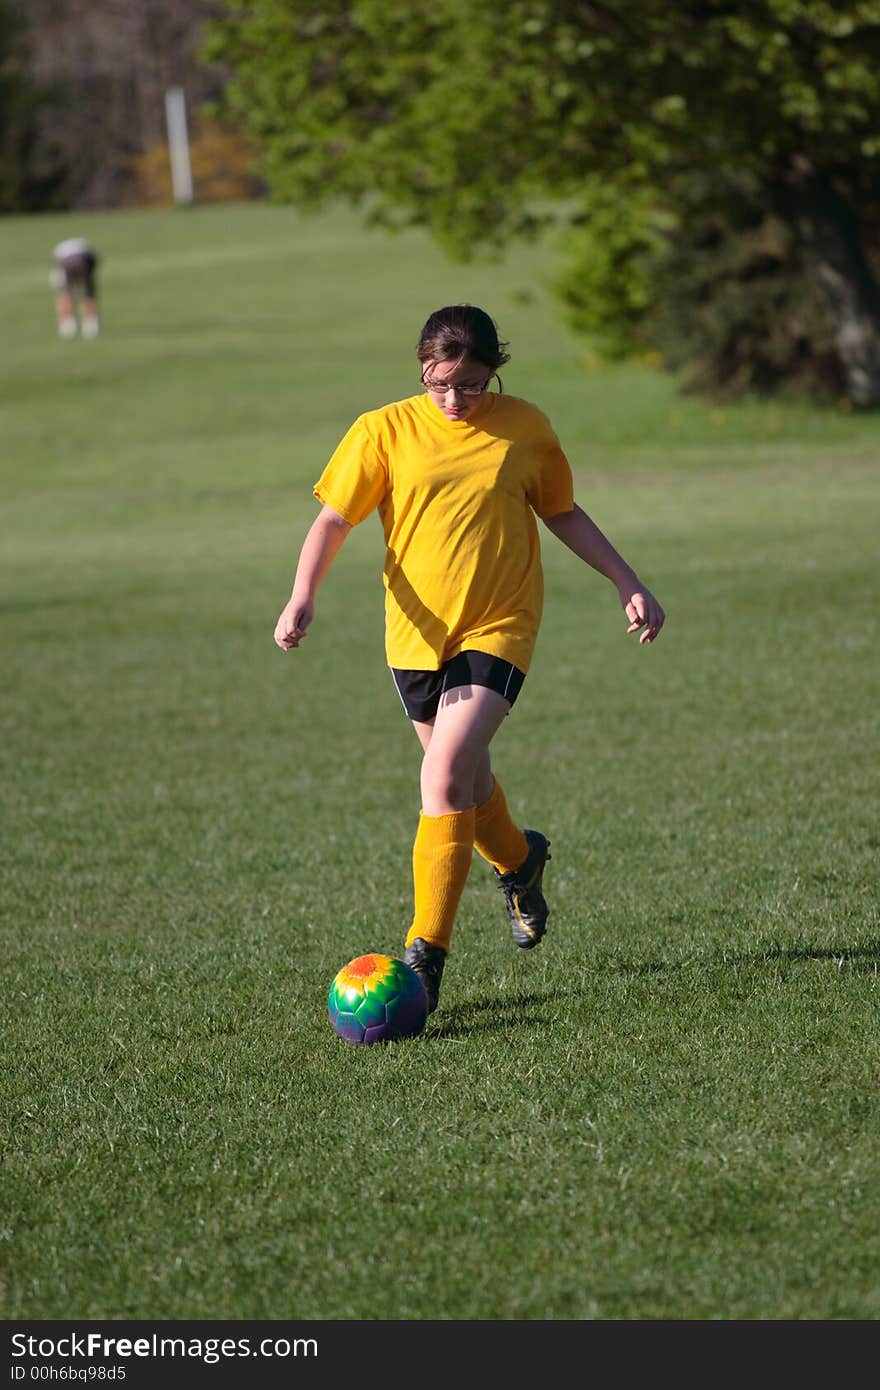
(456, 386)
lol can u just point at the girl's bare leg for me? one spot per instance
(456, 769)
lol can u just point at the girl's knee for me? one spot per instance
(449, 779)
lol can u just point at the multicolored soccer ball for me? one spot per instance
(377, 999)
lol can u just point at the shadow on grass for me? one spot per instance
(868, 954)
(847, 953)
(495, 1014)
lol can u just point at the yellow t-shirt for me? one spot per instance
(457, 500)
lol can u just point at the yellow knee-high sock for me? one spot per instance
(442, 854)
(496, 837)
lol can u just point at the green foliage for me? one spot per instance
(606, 282)
(734, 309)
(382, 103)
(418, 107)
(486, 122)
(717, 291)
(669, 1111)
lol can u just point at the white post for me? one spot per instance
(178, 145)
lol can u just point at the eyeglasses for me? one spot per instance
(443, 388)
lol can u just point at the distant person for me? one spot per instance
(73, 280)
(458, 475)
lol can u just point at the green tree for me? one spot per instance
(481, 122)
(717, 290)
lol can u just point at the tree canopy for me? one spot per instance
(482, 122)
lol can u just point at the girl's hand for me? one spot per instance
(295, 618)
(645, 614)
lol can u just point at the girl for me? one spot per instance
(458, 475)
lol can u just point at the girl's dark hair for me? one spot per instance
(461, 330)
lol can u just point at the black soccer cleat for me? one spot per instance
(428, 962)
(526, 908)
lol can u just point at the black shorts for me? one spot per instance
(78, 273)
(420, 691)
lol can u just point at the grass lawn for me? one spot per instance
(671, 1110)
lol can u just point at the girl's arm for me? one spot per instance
(319, 550)
(582, 536)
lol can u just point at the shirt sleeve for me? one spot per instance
(356, 477)
(553, 489)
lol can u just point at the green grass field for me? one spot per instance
(671, 1110)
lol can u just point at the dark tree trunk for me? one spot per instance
(828, 232)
